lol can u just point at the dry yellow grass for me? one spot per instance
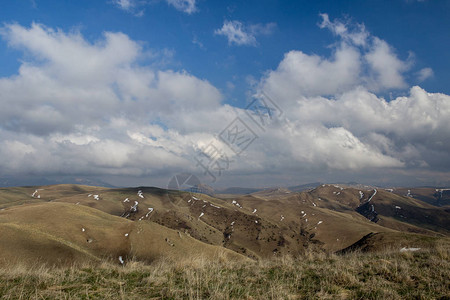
(382, 275)
(63, 234)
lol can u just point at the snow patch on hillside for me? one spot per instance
(236, 203)
(404, 249)
(134, 208)
(150, 210)
(374, 193)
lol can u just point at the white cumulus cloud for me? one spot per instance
(357, 59)
(76, 107)
(424, 74)
(187, 6)
(125, 4)
(72, 105)
(241, 35)
(137, 6)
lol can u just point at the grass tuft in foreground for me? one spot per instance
(387, 275)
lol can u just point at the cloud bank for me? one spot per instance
(92, 108)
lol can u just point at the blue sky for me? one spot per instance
(295, 51)
(420, 27)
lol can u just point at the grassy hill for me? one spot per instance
(66, 224)
(59, 233)
(327, 242)
(374, 275)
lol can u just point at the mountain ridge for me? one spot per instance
(266, 223)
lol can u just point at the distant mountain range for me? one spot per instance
(39, 181)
